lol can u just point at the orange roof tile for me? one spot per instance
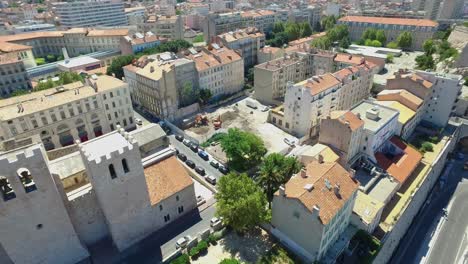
(390, 21)
(348, 118)
(349, 59)
(318, 84)
(107, 32)
(399, 166)
(402, 96)
(319, 175)
(11, 47)
(165, 178)
(208, 58)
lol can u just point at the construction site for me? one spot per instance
(238, 115)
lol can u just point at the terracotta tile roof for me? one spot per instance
(165, 179)
(318, 84)
(307, 39)
(11, 47)
(107, 32)
(416, 78)
(349, 59)
(399, 166)
(319, 175)
(390, 21)
(250, 32)
(208, 58)
(349, 118)
(257, 13)
(402, 96)
(344, 73)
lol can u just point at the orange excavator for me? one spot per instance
(217, 123)
(201, 120)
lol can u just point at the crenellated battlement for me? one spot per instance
(21, 158)
(117, 143)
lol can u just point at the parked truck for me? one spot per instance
(251, 103)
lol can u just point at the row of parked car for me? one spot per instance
(200, 170)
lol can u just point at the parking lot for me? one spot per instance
(239, 115)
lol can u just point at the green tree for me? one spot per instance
(380, 36)
(429, 47)
(188, 94)
(199, 38)
(337, 33)
(275, 170)
(117, 64)
(240, 202)
(250, 75)
(230, 261)
(389, 58)
(179, 12)
(205, 95)
(278, 27)
(66, 78)
(322, 43)
(392, 45)
(40, 61)
(328, 22)
(446, 51)
(376, 43)
(293, 30)
(182, 259)
(425, 62)
(344, 43)
(369, 33)
(306, 30)
(243, 149)
(405, 40)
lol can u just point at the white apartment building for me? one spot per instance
(380, 124)
(311, 211)
(220, 69)
(157, 82)
(438, 91)
(69, 112)
(309, 101)
(109, 13)
(247, 42)
(135, 15)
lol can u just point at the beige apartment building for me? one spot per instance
(309, 101)
(76, 40)
(271, 77)
(339, 131)
(247, 42)
(220, 69)
(17, 51)
(420, 29)
(13, 76)
(66, 113)
(268, 53)
(313, 209)
(156, 83)
(171, 27)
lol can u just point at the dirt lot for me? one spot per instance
(247, 249)
(241, 116)
(405, 61)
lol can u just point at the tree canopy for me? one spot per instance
(429, 47)
(172, 46)
(405, 40)
(284, 32)
(117, 64)
(328, 22)
(240, 202)
(373, 37)
(243, 149)
(275, 170)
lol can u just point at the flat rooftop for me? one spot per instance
(385, 114)
(367, 207)
(379, 188)
(78, 61)
(42, 100)
(406, 114)
(102, 146)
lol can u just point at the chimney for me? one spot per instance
(337, 189)
(358, 115)
(320, 158)
(303, 173)
(151, 69)
(316, 211)
(282, 191)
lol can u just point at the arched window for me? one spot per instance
(112, 171)
(125, 165)
(5, 189)
(26, 179)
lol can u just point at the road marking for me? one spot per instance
(464, 252)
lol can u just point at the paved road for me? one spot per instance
(451, 241)
(416, 243)
(195, 158)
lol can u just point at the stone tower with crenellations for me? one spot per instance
(32, 213)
